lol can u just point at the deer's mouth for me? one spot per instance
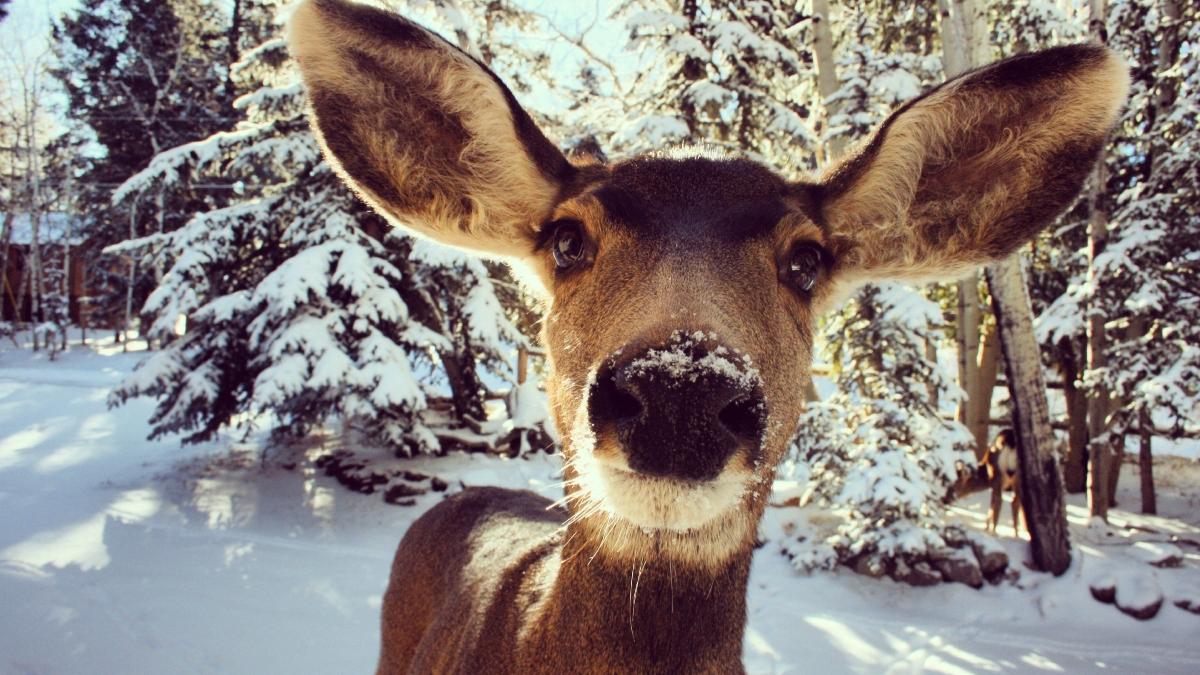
(649, 502)
(655, 503)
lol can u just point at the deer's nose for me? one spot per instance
(680, 410)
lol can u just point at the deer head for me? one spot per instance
(682, 286)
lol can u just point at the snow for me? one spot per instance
(120, 554)
(678, 362)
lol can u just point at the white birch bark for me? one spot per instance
(827, 79)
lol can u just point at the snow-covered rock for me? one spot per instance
(1138, 594)
(1158, 554)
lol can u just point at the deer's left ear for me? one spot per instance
(965, 174)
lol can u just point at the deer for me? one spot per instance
(680, 291)
(1004, 475)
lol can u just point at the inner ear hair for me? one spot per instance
(426, 134)
(973, 169)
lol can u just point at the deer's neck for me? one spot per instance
(656, 617)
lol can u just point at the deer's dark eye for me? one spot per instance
(804, 266)
(568, 245)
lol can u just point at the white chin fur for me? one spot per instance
(664, 504)
(651, 503)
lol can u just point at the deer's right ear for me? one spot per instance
(426, 134)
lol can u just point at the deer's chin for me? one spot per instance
(653, 503)
(632, 518)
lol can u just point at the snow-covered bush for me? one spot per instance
(877, 451)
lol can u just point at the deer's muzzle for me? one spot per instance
(680, 409)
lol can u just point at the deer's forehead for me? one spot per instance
(701, 199)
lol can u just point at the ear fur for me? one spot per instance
(970, 171)
(427, 135)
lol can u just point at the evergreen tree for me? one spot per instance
(1144, 285)
(1148, 271)
(723, 74)
(141, 75)
(878, 449)
(302, 306)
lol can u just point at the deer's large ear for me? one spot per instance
(970, 171)
(426, 134)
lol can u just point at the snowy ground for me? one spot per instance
(123, 555)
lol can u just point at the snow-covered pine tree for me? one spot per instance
(726, 74)
(1145, 285)
(141, 75)
(301, 305)
(1147, 274)
(878, 451)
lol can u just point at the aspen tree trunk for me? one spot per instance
(985, 383)
(1041, 485)
(967, 337)
(981, 374)
(954, 59)
(1098, 452)
(827, 79)
(1041, 493)
(827, 85)
(35, 216)
(957, 56)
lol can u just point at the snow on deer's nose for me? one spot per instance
(681, 409)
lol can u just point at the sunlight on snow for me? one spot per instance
(916, 651)
(1041, 662)
(226, 502)
(82, 543)
(30, 437)
(758, 644)
(85, 447)
(319, 499)
(234, 552)
(846, 640)
(324, 590)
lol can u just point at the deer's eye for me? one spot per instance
(804, 266)
(568, 244)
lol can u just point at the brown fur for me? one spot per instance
(410, 124)
(682, 242)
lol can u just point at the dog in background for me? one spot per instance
(1005, 476)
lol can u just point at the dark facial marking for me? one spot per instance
(693, 200)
